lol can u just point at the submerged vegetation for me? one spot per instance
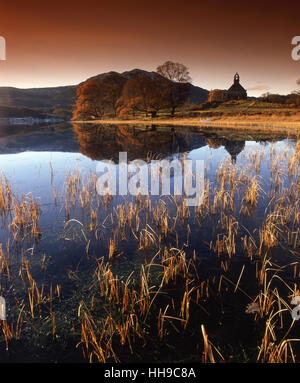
(158, 280)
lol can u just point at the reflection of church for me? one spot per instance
(234, 148)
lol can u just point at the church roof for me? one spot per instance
(237, 87)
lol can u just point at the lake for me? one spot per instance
(144, 273)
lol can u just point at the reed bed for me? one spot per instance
(233, 258)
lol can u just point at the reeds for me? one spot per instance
(151, 225)
(187, 259)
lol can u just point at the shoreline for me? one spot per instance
(277, 125)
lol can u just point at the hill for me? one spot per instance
(241, 108)
(196, 94)
(21, 112)
(59, 101)
(37, 97)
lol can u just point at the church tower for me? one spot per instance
(236, 79)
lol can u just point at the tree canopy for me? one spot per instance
(114, 95)
(174, 71)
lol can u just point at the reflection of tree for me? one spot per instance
(100, 142)
(138, 143)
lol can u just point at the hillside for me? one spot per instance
(59, 101)
(37, 97)
(250, 107)
(196, 95)
(21, 112)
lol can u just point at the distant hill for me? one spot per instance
(20, 112)
(197, 95)
(38, 97)
(129, 75)
(37, 102)
(59, 101)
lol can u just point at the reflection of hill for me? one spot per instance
(99, 142)
(105, 142)
(17, 139)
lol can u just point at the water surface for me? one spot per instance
(37, 160)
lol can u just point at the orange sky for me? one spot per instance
(62, 42)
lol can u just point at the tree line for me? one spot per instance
(145, 93)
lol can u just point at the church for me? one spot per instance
(236, 91)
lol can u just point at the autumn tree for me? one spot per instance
(90, 101)
(174, 95)
(142, 94)
(112, 88)
(176, 72)
(96, 98)
(218, 95)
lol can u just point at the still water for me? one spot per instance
(36, 161)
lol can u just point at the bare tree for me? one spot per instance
(174, 71)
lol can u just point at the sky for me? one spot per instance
(63, 43)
